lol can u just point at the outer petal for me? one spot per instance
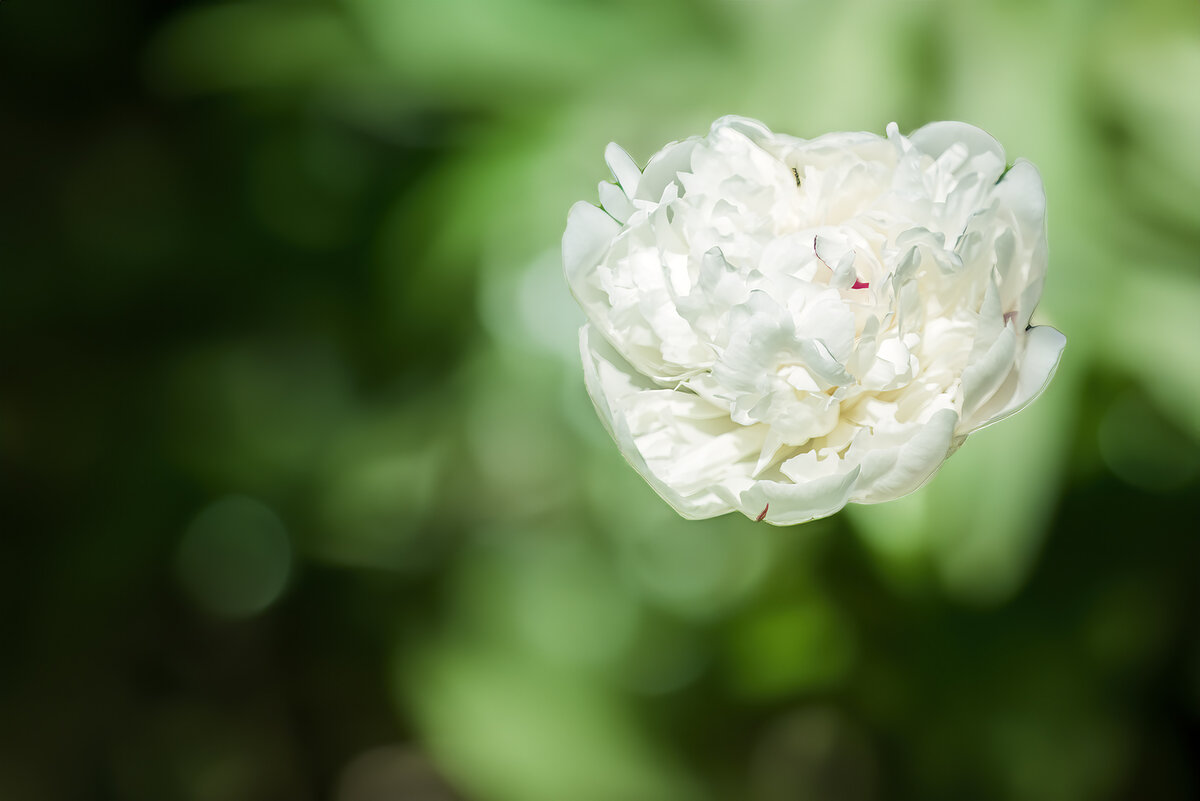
(688, 450)
(787, 503)
(1043, 349)
(991, 355)
(892, 472)
(985, 374)
(615, 201)
(663, 169)
(1021, 193)
(623, 168)
(982, 151)
(589, 234)
(589, 237)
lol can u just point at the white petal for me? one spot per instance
(1043, 349)
(688, 450)
(623, 168)
(786, 503)
(891, 472)
(983, 151)
(1021, 190)
(984, 375)
(1022, 255)
(589, 234)
(759, 330)
(752, 129)
(991, 354)
(615, 202)
(664, 168)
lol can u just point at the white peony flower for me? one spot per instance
(782, 326)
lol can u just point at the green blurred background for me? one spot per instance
(303, 498)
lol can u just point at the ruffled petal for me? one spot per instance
(589, 234)
(979, 151)
(686, 448)
(895, 466)
(1031, 375)
(786, 504)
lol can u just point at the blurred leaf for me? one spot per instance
(778, 651)
(252, 45)
(508, 729)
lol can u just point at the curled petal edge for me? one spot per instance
(1043, 351)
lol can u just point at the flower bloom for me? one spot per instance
(781, 326)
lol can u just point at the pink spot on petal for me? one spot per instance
(1009, 317)
(762, 514)
(860, 284)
